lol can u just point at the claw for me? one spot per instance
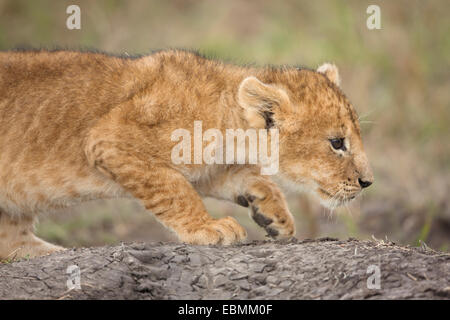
(242, 201)
(272, 232)
(261, 220)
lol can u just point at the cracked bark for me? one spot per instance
(310, 269)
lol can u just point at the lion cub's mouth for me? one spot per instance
(338, 198)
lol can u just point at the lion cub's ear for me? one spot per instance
(260, 102)
(331, 72)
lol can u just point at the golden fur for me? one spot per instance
(81, 126)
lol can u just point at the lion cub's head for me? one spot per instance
(320, 141)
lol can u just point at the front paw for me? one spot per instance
(223, 231)
(271, 213)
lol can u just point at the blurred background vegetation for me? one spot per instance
(398, 78)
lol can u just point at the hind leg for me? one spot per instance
(17, 239)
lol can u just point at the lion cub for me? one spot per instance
(81, 126)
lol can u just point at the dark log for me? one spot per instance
(310, 269)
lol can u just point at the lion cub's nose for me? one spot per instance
(364, 184)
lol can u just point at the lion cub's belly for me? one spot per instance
(39, 190)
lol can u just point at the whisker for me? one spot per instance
(349, 211)
(362, 194)
(335, 199)
(365, 115)
(331, 207)
(367, 121)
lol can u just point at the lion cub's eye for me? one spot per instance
(338, 144)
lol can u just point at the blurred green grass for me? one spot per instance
(398, 78)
